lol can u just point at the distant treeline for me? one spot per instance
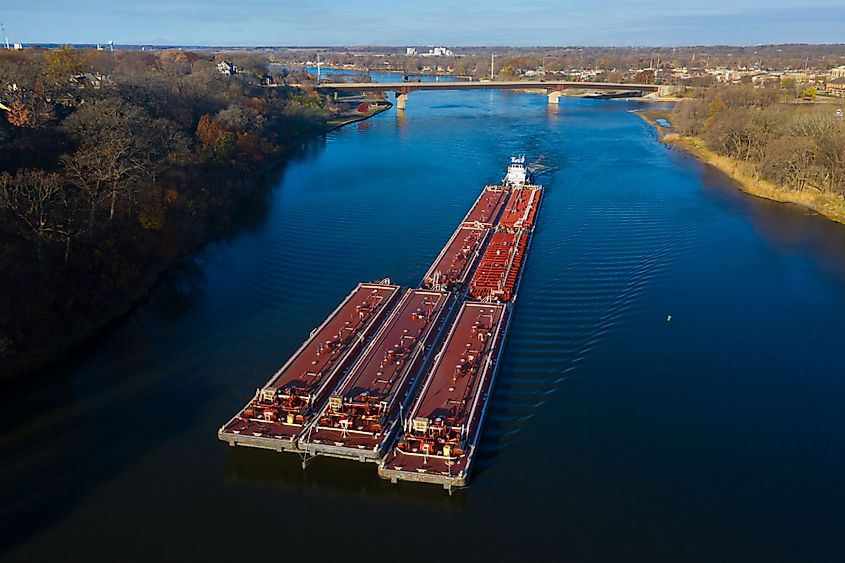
(112, 164)
(475, 61)
(796, 146)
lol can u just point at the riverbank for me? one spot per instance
(375, 108)
(743, 174)
(95, 312)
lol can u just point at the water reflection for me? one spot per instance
(790, 229)
(335, 477)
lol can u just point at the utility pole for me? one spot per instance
(492, 64)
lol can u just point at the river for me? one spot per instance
(613, 435)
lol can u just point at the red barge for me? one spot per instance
(442, 431)
(379, 365)
(441, 434)
(363, 413)
(454, 263)
(279, 411)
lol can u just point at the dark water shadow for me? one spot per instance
(326, 476)
(61, 428)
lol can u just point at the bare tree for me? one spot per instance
(35, 199)
(119, 145)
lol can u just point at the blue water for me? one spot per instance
(614, 434)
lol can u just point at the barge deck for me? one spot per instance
(362, 415)
(441, 434)
(352, 389)
(279, 411)
(500, 267)
(521, 210)
(455, 262)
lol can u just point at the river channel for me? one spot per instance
(614, 434)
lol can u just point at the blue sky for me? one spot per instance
(426, 22)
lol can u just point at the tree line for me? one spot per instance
(111, 164)
(611, 61)
(796, 146)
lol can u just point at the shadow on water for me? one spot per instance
(63, 427)
(328, 476)
(68, 441)
(789, 229)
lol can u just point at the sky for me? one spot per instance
(425, 22)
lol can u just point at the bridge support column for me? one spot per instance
(401, 100)
(670, 90)
(554, 97)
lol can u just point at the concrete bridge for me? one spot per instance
(552, 87)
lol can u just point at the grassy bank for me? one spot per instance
(744, 174)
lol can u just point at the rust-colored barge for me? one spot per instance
(454, 263)
(442, 430)
(486, 208)
(500, 267)
(521, 209)
(363, 413)
(279, 411)
(379, 365)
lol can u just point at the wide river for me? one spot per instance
(613, 435)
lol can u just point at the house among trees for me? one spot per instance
(227, 68)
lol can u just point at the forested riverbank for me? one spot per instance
(776, 149)
(112, 165)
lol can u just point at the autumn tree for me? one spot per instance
(19, 115)
(208, 130)
(35, 202)
(119, 145)
(62, 62)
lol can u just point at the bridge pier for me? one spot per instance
(670, 90)
(401, 100)
(554, 97)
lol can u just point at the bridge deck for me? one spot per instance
(479, 85)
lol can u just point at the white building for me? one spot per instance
(227, 68)
(438, 52)
(410, 51)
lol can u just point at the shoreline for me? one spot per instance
(380, 106)
(828, 206)
(38, 361)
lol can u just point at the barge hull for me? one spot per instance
(262, 423)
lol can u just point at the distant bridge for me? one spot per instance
(552, 87)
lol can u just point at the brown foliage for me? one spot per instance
(796, 147)
(250, 147)
(208, 131)
(62, 62)
(19, 115)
